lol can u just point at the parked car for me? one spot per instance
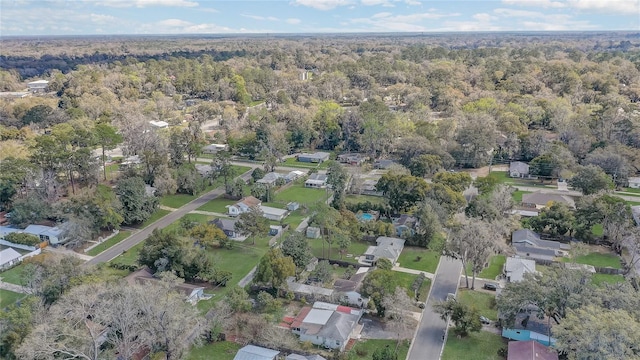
(490, 286)
(484, 320)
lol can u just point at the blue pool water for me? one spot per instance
(366, 217)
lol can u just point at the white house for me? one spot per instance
(9, 257)
(634, 182)
(518, 169)
(38, 86)
(327, 325)
(316, 180)
(388, 247)
(243, 206)
(515, 268)
(274, 214)
(214, 148)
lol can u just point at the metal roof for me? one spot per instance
(252, 352)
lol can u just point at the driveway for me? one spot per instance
(161, 223)
(428, 341)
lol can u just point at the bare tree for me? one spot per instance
(397, 307)
(472, 244)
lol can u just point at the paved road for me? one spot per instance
(428, 341)
(161, 223)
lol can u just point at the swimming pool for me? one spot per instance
(366, 217)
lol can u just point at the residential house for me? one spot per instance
(347, 291)
(192, 293)
(327, 325)
(515, 268)
(405, 225)
(529, 245)
(252, 352)
(214, 148)
(383, 164)
(530, 350)
(293, 176)
(313, 232)
(309, 292)
(9, 257)
(274, 214)
(316, 157)
(634, 182)
(388, 248)
(243, 206)
(528, 327)
(38, 86)
(53, 235)
(540, 200)
(304, 357)
(159, 124)
(270, 178)
(352, 158)
(518, 169)
(316, 180)
(228, 226)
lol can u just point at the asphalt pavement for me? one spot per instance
(428, 341)
(161, 223)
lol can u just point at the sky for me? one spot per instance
(95, 17)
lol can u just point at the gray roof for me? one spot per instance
(307, 289)
(519, 166)
(535, 252)
(517, 267)
(270, 178)
(542, 199)
(316, 155)
(318, 176)
(339, 326)
(529, 238)
(225, 224)
(388, 247)
(252, 352)
(8, 255)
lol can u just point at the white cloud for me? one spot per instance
(381, 15)
(628, 7)
(412, 2)
(518, 13)
(384, 3)
(260, 18)
(536, 3)
(322, 4)
(102, 19)
(386, 21)
(469, 26)
(293, 21)
(173, 23)
(557, 26)
(484, 17)
(145, 3)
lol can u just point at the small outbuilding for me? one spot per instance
(316, 157)
(252, 352)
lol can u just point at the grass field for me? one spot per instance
(598, 259)
(517, 195)
(357, 248)
(9, 297)
(428, 259)
(481, 345)
(496, 263)
(630, 190)
(368, 347)
(405, 280)
(223, 350)
(485, 303)
(597, 230)
(109, 243)
(598, 279)
(293, 162)
(130, 257)
(13, 275)
(300, 194)
(218, 205)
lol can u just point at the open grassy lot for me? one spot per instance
(598, 259)
(485, 303)
(419, 259)
(9, 297)
(354, 199)
(501, 176)
(405, 280)
(13, 275)
(357, 248)
(496, 263)
(218, 205)
(293, 162)
(129, 257)
(159, 213)
(598, 279)
(194, 218)
(364, 349)
(481, 345)
(517, 195)
(109, 243)
(223, 350)
(300, 194)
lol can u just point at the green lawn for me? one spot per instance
(428, 259)
(367, 347)
(218, 205)
(159, 213)
(517, 195)
(598, 260)
(501, 176)
(485, 303)
(293, 162)
(129, 257)
(357, 248)
(295, 218)
(633, 203)
(109, 243)
(598, 279)
(405, 280)
(481, 345)
(194, 218)
(224, 350)
(9, 297)
(13, 275)
(300, 194)
(630, 190)
(496, 263)
(597, 230)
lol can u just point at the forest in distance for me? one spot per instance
(430, 106)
